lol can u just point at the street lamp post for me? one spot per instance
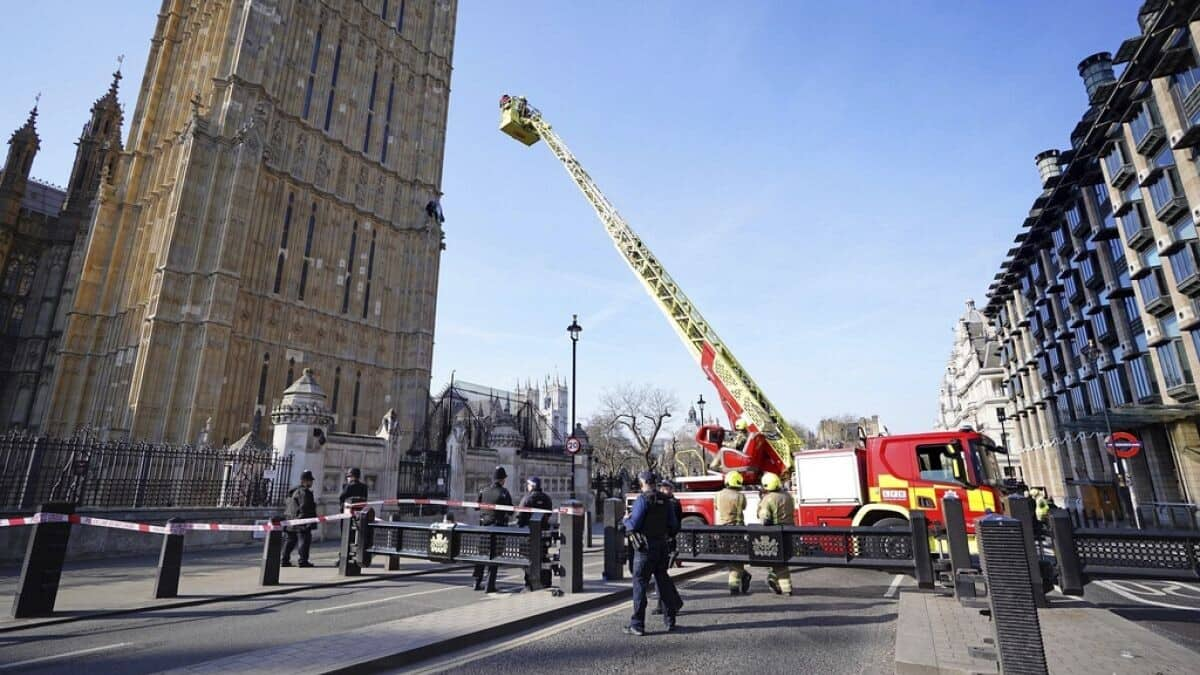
(1092, 353)
(1002, 417)
(574, 329)
(700, 402)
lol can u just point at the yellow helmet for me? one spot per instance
(733, 479)
(771, 482)
(741, 423)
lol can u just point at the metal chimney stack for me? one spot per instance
(1096, 70)
(1047, 165)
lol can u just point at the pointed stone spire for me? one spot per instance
(22, 147)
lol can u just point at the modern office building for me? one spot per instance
(276, 208)
(1096, 304)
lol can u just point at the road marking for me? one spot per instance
(1116, 588)
(379, 601)
(523, 639)
(891, 591)
(65, 655)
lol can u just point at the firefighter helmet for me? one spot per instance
(741, 424)
(733, 479)
(770, 482)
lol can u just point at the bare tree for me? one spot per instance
(611, 449)
(640, 411)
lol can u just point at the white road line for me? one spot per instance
(529, 638)
(65, 655)
(1115, 588)
(378, 601)
(891, 591)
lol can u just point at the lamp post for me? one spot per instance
(700, 402)
(574, 329)
(1092, 353)
(1002, 417)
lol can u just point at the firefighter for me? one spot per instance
(741, 433)
(777, 508)
(730, 508)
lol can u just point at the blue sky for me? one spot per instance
(828, 182)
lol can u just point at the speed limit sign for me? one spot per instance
(573, 446)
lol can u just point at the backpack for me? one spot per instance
(292, 508)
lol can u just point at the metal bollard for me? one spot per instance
(1010, 595)
(1022, 510)
(533, 570)
(922, 558)
(1070, 575)
(614, 555)
(362, 538)
(393, 564)
(272, 550)
(42, 570)
(170, 562)
(347, 563)
(956, 533)
(571, 553)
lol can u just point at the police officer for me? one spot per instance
(667, 487)
(777, 508)
(496, 494)
(730, 508)
(535, 499)
(650, 524)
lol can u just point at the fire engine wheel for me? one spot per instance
(692, 521)
(898, 547)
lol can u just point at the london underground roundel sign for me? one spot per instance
(1123, 444)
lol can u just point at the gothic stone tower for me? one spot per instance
(45, 233)
(276, 210)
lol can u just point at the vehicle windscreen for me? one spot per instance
(984, 464)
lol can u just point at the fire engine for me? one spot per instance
(878, 483)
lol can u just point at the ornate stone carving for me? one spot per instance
(322, 176)
(300, 156)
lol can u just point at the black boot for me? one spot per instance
(478, 585)
(746, 583)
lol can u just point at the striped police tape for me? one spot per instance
(176, 528)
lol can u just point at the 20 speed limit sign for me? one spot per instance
(573, 446)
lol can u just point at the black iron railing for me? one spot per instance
(115, 474)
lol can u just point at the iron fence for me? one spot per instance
(422, 479)
(116, 474)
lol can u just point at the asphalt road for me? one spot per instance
(842, 622)
(161, 639)
(1169, 608)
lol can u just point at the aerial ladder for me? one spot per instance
(771, 440)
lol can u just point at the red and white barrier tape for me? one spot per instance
(569, 510)
(170, 528)
(176, 528)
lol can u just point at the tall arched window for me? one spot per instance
(312, 73)
(350, 269)
(262, 379)
(354, 406)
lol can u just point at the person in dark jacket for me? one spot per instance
(535, 499)
(353, 491)
(496, 494)
(300, 504)
(651, 524)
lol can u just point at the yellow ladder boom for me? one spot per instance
(740, 395)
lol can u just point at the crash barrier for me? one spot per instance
(900, 549)
(549, 552)
(1011, 583)
(41, 571)
(1089, 553)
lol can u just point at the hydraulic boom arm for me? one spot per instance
(739, 394)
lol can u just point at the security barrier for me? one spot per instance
(884, 548)
(1086, 554)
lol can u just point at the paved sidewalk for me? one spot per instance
(96, 587)
(935, 632)
(119, 585)
(406, 641)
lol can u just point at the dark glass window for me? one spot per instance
(337, 64)
(1143, 385)
(283, 243)
(354, 404)
(1166, 188)
(370, 111)
(312, 74)
(312, 225)
(1115, 159)
(262, 379)
(1183, 263)
(370, 274)
(350, 269)
(1146, 119)
(400, 17)
(1133, 221)
(387, 118)
(337, 388)
(1100, 192)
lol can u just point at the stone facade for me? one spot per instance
(277, 209)
(43, 233)
(972, 390)
(1097, 305)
